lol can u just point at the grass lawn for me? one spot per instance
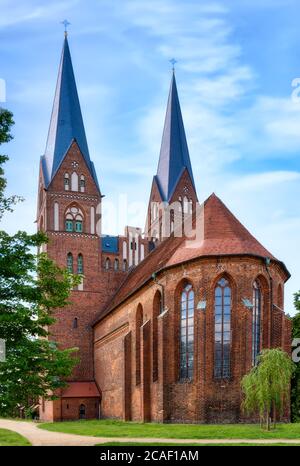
(113, 428)
(8, 438)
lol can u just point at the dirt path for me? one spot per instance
(39, 437)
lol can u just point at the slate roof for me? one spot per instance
(110, 244)
(66, 123)
(174, 154)
(223, 235)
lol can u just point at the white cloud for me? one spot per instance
(264, 180)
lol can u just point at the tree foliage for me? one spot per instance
(31, 287)
(266, 388)
(6, 123)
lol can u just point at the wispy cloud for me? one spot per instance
(237, 128)
(14, 13)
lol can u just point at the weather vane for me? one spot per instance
(66, 23)
(173, 61)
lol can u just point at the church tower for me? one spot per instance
(69, 204)
(173, 192)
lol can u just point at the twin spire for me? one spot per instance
(174, 153)
(66, 125)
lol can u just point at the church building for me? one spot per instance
(167, 318)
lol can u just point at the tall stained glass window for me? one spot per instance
(222, 329)
(187, 332)
(256, 321)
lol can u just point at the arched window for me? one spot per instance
(185, 205)
(107, 263)
(56, 216)
(80, 264)
(70, 262)
(187, 332)
(138, 324)
(256, 320)
(66, 181)
(154, 210)
(180, 204)
(74, 181)
(172, 216)
(75, 323)
(222, 329)
(82, 183)
(157, 309)
(74, 219)
(124, 265)
(78, 224)
(116, 264)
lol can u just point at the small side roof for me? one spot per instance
(81, 390)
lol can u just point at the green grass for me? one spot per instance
(122, 444)
(113, 428)
(8, 438)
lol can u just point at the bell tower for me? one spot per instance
(68, 211)
(173, 194)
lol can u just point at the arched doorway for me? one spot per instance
(82, 411)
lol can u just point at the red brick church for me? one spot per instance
(166, 323)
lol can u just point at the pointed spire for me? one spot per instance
(66, 123)
(174, 154)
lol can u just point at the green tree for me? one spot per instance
(266, 388)
(6, 123)
(31, 287)
(295, 394)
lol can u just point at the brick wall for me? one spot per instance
(204, 399)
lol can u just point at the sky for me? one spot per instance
(237, 67)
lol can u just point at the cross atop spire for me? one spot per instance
(174, 154)
(173, 63)
(66, 23)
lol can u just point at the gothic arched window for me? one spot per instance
(116, 264)
(222, 329)
(256, 319)
(80, 264)
(75, 323)
(107, 263)
(172, 216)
(185, 205)
(74, 220)
(74, 181)
(82, 183)
(70, 262)
(187, 332)
(66, 181)
(124, 265)
(180, 204)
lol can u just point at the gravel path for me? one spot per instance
(38, 437)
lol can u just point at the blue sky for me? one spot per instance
(236, 63)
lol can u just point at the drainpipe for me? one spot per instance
(267, 265)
